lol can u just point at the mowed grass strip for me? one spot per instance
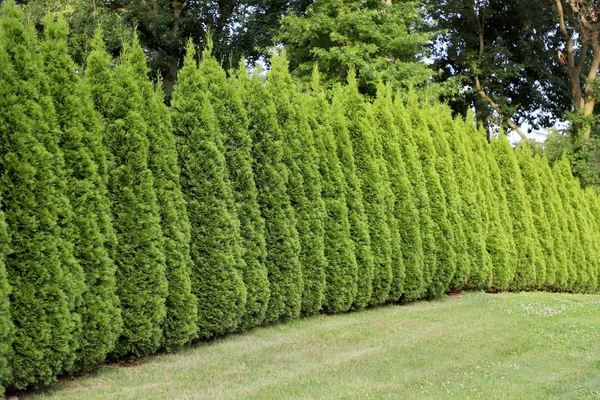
(475, 346)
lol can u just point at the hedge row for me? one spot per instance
(129, 227)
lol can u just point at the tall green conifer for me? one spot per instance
(533, 186)
(304, 181)
(39, 306)
(359, 226)
(215, 251)
(80, 138)
(6, 324)
(226, 99)
(179, 326)
(283, 247)
(556, 278)
(445, 266)
(416, 289)
(141, 282)
(340, 274)
(528, 261)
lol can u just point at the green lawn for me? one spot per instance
(476, 346)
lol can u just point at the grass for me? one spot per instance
(476, 346)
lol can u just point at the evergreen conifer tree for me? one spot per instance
(575, 253)
(79, 137)
(471, 209)
(368, 167)
(533, 186)
(359, 226)
(215, 251)
(528, 261)
(557, 278)
(437, 118)
(405, 212)
(39, 306)
(283, 266)
(226, 99)
(588, 236)
(139, 258)
(6, 325)
(304, 181)
(340, 274)
(445, 266)
(179, 325)
(416, 289)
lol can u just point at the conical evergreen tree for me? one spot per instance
(588, 236)
(410, 274)
(575, 253)
(140, 261)
(80, 140)
(340, 274)
(217, 262)
(372, 185)
(437, 118)
(593, 204)
(283, 247)
(6, 325)
(226, 99)
(359, 226)
(533, 186)
(180, 325)
(442, 274)
(557, 278)
(528, 261)
(304, 181)
(416, 289)
(471, 209)
(39, 306)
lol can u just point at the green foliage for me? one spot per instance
(271, 175)
(528, 262)
(179, 325)
(341, 270)
(39, 304)
(417, 288)
(533, 185)
(443, 271)
(345, 35)
(557, 277)
(471, 208)
(359, 225)
(368, 171)
(139, 257)
(216, 257)
(80, 138)
(6, 325)
(226, 99)
(304, 181)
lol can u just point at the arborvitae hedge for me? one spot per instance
(6, 325)
(180, 323)
(471, 208)
(359, 225)
(341, 271)
(283, 247)
(304, 181)
(216, 257)
(39, 306)
(443, 272)
(525, 235)
(226, 99)
(80, 138)
(557, 277)
(416, 289)
(408, 271)
(362, 136)
(139, 257)
(533, 186)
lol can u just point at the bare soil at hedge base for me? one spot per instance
(476, 346)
